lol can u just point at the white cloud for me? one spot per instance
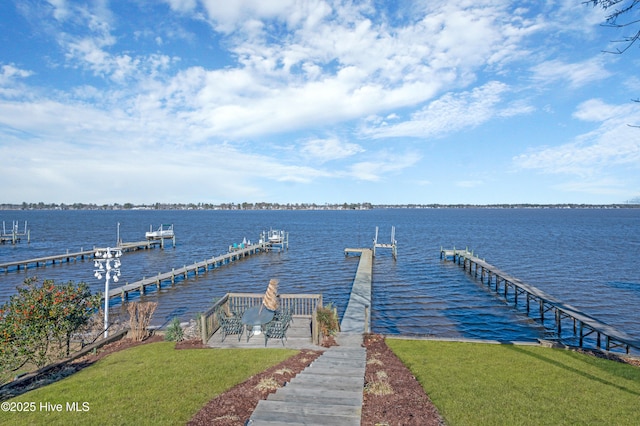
(451, 113)
(324, 150)
(227, 16)
(336, 64)
(599, 111)
(10, 74)
(182, 5)
(576, 74)
(597, 185)
(613, 144)
(383, 164)
(61, 9)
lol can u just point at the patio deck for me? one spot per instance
(298, 337)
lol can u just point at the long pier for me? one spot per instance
(356, 318)
(73, 257)
(183, 273)
(503, 283)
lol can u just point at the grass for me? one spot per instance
(471, 384)
(482, 384)
(150, 384)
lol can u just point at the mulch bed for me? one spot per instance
(234, 407)
(406, 404)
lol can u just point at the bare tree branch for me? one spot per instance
(621, 10)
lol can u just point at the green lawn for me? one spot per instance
(483, 384)
(471, 384)
(152, 384)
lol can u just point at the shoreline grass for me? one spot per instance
(149, 384)
(483, 384)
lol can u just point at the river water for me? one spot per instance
(585, 257)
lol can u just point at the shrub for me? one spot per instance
(37, 323)
(174, 332)
(140, 314)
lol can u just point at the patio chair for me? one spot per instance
(275, 329)
(229, 325)
(284, 315)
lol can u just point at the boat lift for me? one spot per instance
(164, 231)
(393, 245)
(14, 235)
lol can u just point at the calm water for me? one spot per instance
(587, 258)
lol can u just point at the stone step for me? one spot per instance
(343, 365)
(340, 356)
(327, 380)
(320, 396)
(284, 412)
(344, 351)
(329, 383)
(333, 371)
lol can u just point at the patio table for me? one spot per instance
(254, 318)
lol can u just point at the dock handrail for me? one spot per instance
(301, 305)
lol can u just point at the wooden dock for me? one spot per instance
(356, 318)
(508, 286)
(183, 273)
(304, 331)
(72, 257)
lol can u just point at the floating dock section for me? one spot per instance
(357, 316)
(512, 289)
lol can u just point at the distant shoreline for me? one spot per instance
(303, 206)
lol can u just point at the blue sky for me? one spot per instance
(481, 102)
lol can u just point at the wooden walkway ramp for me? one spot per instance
(328, 392)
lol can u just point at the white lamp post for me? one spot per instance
(107, 262)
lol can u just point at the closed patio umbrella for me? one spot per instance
(270, 300)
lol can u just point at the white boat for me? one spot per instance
(276, 236)
(163, 231)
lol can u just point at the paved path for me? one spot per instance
(329, 391)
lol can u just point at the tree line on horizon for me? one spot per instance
(633, 203)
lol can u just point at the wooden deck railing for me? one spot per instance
(301, 305)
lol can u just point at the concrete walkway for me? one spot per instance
(329, 391)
